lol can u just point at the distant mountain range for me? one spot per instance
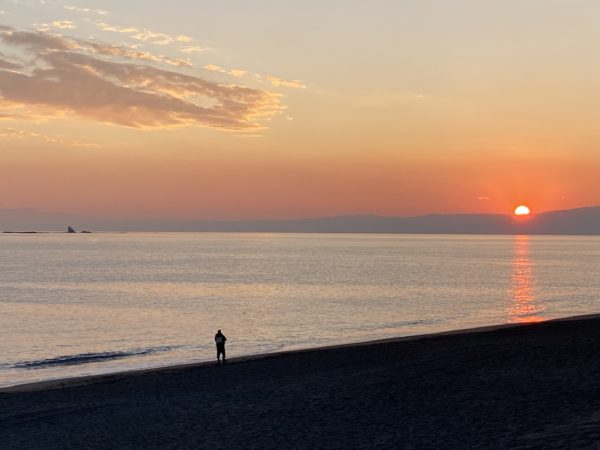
(580, 221)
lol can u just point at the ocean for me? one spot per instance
(82, 304)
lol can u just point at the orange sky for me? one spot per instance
(403, 108)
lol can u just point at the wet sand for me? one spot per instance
(532, 386)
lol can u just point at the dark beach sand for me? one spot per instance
(534, 386)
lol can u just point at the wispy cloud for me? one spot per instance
(8, 65)
(63, 24)
(24, 134)
(237, 73)
(240, 73)
(101, 82)
(193, 49)
(57, 24)
(100, 12)
(280, 82)
(214, 68)
(12, 111)
(143, 34)
(132, 53)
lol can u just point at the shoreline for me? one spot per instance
(62, 383)
(526, 386)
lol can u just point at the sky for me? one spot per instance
(272, 109)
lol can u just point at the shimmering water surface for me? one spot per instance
(74, 305)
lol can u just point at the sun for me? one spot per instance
(522, 210)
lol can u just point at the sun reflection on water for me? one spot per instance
(523, 306)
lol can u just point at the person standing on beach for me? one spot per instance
(220, 341)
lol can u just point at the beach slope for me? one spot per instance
(533, 386)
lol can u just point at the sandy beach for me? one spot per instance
(527, 386)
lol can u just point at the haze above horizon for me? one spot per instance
(239, 111)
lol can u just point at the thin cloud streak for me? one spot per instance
(240, 73)
(214, 68)
(85, 10)
(69, 77)
(23, 134)
(8, 65)
(145, 35)
(237, 73)
(280, 82)
(193, 49)
(131, 53)
(64, 24)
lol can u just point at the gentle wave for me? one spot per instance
(394, 325)
(85, 358)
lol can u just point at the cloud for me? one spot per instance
(214, 68)
(63, 24)
(279, 82)
(100, 82)
(21, 112)
(60, 24)
(8, 65)
(143, 34)
(24, 134)
(129, 52)
(86, 10)
(236, 73)
(34, 41)
(194, 49)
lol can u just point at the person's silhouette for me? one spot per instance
(220, 341)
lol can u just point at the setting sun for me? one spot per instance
(522, 210)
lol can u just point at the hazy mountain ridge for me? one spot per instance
(580, 221)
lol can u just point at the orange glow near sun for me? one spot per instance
(522, 210)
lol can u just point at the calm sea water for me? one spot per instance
(74, 305)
